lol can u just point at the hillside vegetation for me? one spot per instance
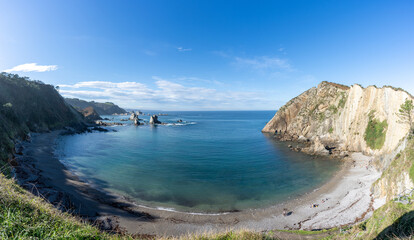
(30, 106)
(107, 108)
(375, 132)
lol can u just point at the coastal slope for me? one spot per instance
(106, 108)
(30, 106)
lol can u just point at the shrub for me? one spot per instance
(333, 109)
(342, 101)
(375, 132)
(321, 117)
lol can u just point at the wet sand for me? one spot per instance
(343, 200)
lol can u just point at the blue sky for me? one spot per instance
(206, 55)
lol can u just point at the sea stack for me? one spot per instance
(136, 122)
(154, 120)
(133, 116)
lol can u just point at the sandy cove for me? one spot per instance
(344, 200)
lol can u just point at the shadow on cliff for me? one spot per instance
(402, 228)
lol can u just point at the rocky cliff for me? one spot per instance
(333, 118)
(90, 114)
(348, 118)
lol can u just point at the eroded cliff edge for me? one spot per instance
(337, 119)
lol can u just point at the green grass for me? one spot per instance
(330, 130)
(24, 216)
(231, 235)
(412, 172)
(304, 232)
(375, 132)
(391, 221)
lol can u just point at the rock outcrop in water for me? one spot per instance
(133, 116)
(154, 120)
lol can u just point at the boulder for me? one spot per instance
(136, 122)
(133, 116)
(318, 147)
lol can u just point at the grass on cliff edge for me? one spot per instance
(25, 216)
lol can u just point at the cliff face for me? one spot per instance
(398, 178)
(348, 118)
(107, 108)
(353, 119)
(90, 114)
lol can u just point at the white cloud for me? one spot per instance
(262, 63)
(32, 67)
(181, 49)
(166, 95)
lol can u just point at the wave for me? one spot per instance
(176, 211)
(180, 124)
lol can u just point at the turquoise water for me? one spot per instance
(213, 162)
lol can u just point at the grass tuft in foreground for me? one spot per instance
(25, 216)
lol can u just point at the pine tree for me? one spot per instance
(406, 113)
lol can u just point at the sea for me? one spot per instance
(211, 162)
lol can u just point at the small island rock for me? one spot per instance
(154, 120)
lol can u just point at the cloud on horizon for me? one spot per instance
(166, 95)
(32, 67)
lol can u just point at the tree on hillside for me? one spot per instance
(406, 113)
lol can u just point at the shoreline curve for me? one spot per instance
(343, 200)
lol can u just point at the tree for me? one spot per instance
(406, 113)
